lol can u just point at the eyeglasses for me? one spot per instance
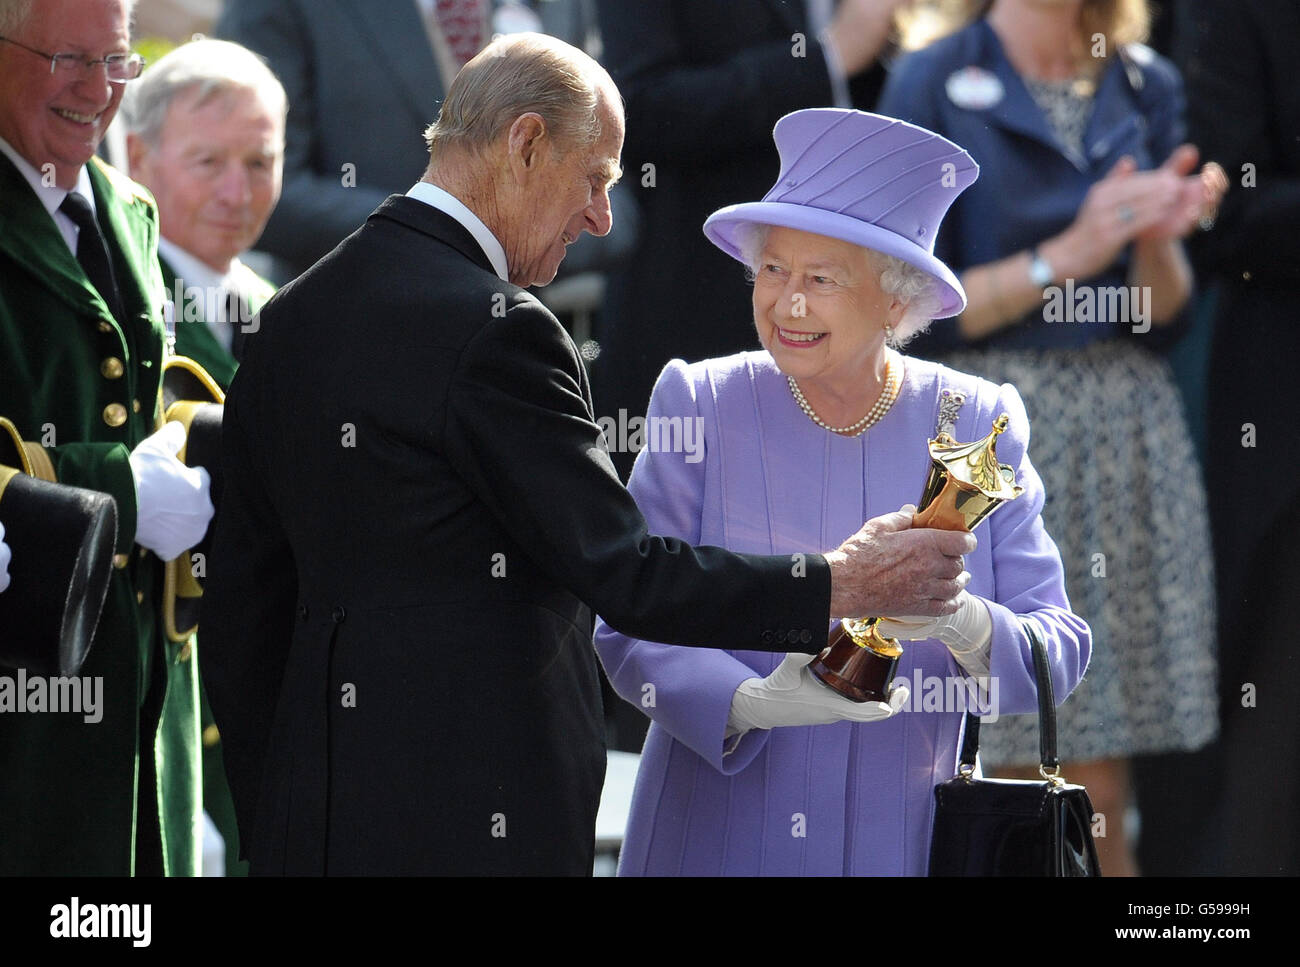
(118, 68)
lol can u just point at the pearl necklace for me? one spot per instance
(888, 394)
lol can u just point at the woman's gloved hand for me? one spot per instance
(968, 632)
(792, 696)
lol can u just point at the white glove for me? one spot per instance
(792, 696)
(172, 502)
(968, 632)
(4, 560)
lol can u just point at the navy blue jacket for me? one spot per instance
(1030, 188)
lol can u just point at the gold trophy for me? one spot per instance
(966, 484)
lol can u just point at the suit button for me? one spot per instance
(120, 561)
(115, 414)
(766, 637)
(780, 637)
(112, 368)
(105, 326)
(139, 597)
(135, 406)
(302, 612)
(805, 637)
(339, 614)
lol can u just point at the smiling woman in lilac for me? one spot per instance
(744, 771)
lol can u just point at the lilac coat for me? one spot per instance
(830, 799)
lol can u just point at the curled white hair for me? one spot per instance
(919, 291)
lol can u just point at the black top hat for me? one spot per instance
(62, 540)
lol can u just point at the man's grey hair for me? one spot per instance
(518, 74)
(919, 291)
(14, 14)
(208, 67)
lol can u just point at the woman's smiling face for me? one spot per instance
(819, 309)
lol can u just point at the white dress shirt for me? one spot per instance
(446, 202)
(191, 273)
(52, 196)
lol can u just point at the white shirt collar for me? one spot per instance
(196, 279)
(446, 202)
(196, 272)
(51, 196)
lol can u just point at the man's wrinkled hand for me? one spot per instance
(891, 567)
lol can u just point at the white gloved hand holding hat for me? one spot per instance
(172, 500)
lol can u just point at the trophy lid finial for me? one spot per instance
(976, 464)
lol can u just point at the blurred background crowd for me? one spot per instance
(1185, 730)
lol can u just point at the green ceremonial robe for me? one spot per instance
(195, 340)
(121, 795)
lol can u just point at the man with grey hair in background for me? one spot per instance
(419, 517)
(81, 349)
(205, 134)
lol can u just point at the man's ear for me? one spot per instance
(136, 150)
(528, 140)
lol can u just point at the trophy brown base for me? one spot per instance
(857, 673)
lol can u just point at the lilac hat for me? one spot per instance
(864, 178)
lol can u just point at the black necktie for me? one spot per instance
(92, 252)
(234, 313)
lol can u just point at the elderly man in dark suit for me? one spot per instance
(419, 515)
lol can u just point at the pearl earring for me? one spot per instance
(889, 334)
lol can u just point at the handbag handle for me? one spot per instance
(1049, 766)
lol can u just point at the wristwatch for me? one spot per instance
(1041, 272)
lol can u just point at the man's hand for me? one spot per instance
(792, 696)
(890, 567)
(4, 560)
(173, 506)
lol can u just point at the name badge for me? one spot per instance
(974, 88)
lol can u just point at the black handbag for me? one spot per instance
(1014, 827)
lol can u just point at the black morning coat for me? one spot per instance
(418, 519)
